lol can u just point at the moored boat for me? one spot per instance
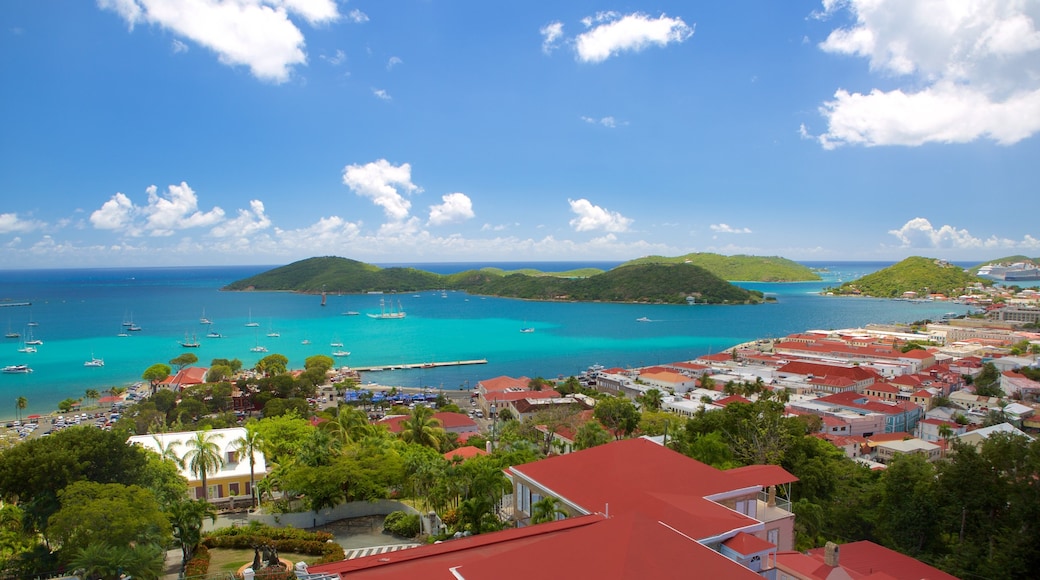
(17, 369)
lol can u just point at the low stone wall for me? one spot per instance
(354, 509)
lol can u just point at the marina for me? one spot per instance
(425, 365)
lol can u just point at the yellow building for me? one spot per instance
(229, 483)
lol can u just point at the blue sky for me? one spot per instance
(177, 132)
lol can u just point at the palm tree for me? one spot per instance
(422, 428)
(351, 425)
(651, 400)
(168, 451)
(20, 405)
(203, 457)
(251, 443)
(546, 509)
(92, 394)
(186, 517)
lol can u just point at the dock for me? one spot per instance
(425, 365)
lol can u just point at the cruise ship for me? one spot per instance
(1017, 272)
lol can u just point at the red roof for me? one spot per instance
(731, 399)
(464, 453)
(745, 544)
(615, 475)
(447, 421)
(500, 397)
(856, 373)
(618, 547)
(866, 402)
(866, 557)
(502, 383)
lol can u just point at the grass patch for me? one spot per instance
(230, 560)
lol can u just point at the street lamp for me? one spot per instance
(494, 422)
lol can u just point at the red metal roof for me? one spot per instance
(866, 557)
(619, 547)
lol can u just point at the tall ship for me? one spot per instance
(1017, 272)
(384, 313)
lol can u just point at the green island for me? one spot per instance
(916, 274)
(740, 267)
(658, 283)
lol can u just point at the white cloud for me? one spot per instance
(245, 224)
(592, 217)
(608, 121)
(177, 210)
(384, 184)
(614, 34)
(971, 71)
(339, 58)
(457, 207)
(919, 233)
(357, 16)
(115, 214)
(11, 223)
(382, 94)
(178, 46)
(394, 61)
(551, 34)
(727, 229)
(254, 33)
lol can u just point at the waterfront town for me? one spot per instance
(599, 475)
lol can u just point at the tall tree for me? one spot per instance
(186, 519)
(184, 360)
(651, 400)
(422, 428)
(156, 374)
(250, 444)
(20, 404)
(547, 509)
(618, 415)
(203, 457)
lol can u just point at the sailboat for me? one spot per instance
(213, 333)
(26, 347)
(388, 314)
(94, 361)
(258, 347)
(11, 333)
(31, 321)
(272, 332)
(33, 341)
(190, 343)
(251, 323)
(204, 320)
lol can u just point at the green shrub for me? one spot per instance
(283, 539)
(402, 524)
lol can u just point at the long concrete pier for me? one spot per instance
(425, 365)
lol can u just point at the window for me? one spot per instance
(232, 457)
(233, 488)
(213, 491)
(773, 536)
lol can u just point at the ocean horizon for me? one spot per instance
(79, 315)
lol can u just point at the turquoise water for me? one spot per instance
(80, 313)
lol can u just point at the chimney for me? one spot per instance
(830, 554)
(772, 496)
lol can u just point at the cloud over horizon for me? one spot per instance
(969, 71)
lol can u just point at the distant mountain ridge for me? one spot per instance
(740, 267)
(678, 283)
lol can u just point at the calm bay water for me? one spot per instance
(79, 314)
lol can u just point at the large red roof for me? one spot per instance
(594, 546)
(640, 476)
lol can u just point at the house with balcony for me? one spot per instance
(634, 509)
